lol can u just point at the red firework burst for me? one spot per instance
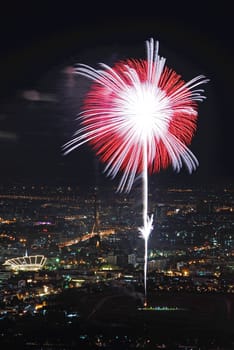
(137, 104)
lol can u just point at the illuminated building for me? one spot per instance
(26, 263)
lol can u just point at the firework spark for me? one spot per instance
(139, 116)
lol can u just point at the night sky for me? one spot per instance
(40, 97)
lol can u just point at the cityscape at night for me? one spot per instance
(90, 283)
(116, 217)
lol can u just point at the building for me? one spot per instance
(26, 263)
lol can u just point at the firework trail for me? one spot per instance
(139, 116)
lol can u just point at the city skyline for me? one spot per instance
(91, 285)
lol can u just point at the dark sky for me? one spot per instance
(39, 97)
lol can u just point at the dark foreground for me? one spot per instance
(112, 320)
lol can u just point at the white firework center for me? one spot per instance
(26, 263)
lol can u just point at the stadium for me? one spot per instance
(26, 263)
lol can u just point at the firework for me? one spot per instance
(139, 116)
